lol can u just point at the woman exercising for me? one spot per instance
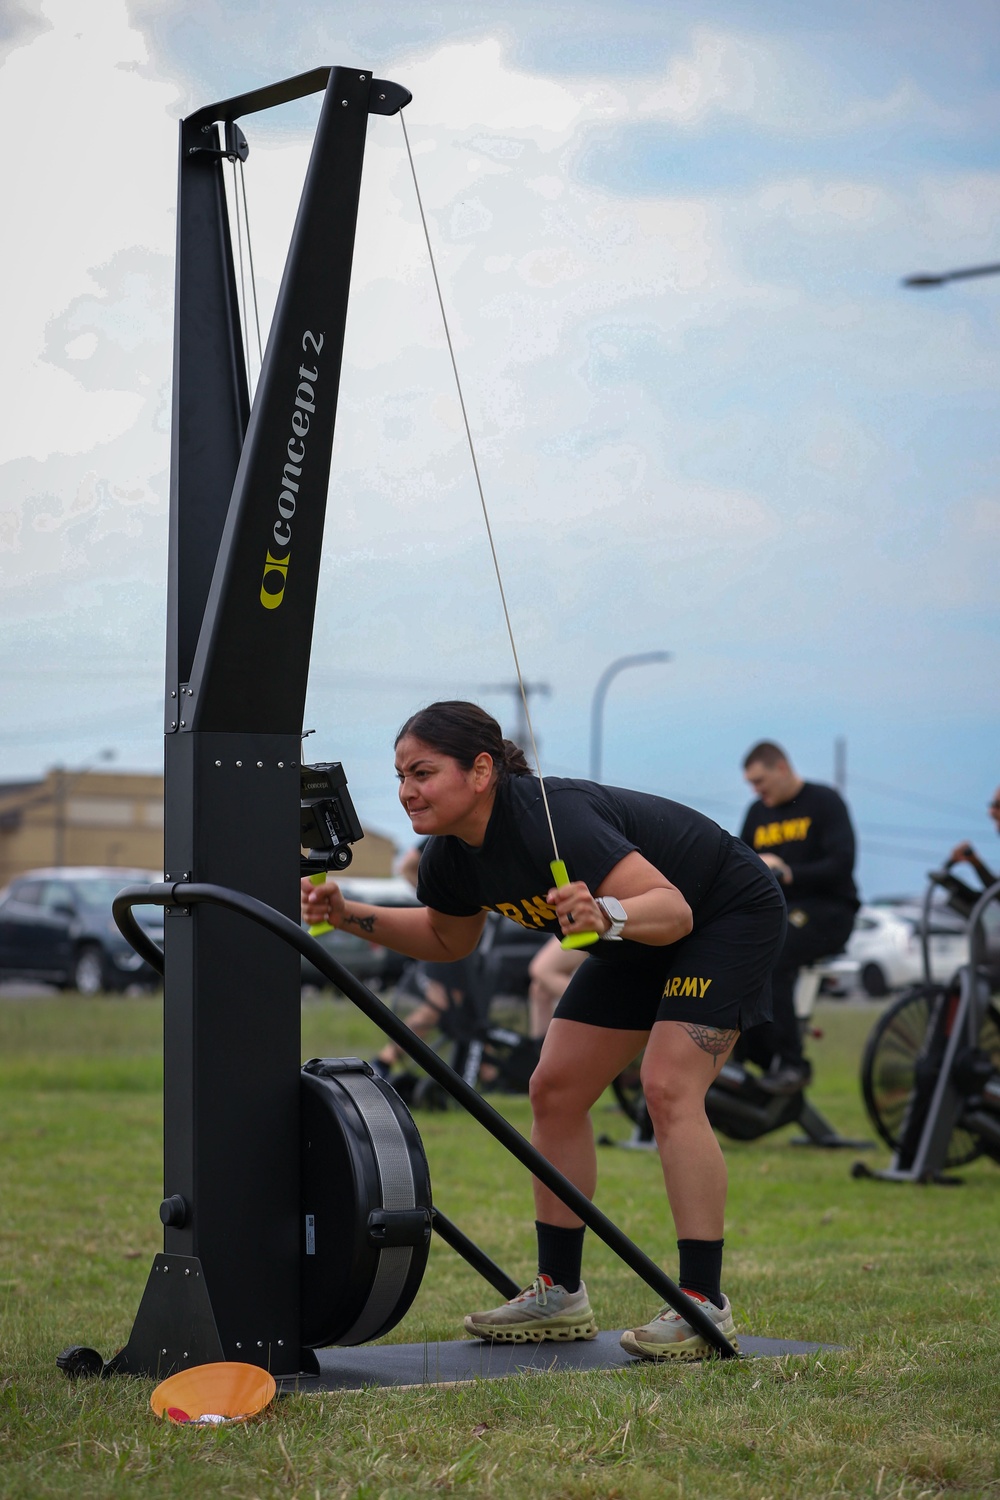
(690, 922)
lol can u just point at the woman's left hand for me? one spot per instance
(576, 908)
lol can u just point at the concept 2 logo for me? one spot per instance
(272, 584)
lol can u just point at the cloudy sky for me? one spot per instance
(708, 417)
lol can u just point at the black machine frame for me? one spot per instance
(247, 508)
(956, 1087)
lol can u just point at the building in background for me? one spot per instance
(108, 818)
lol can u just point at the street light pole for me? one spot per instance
(939, 278)
(643, 658)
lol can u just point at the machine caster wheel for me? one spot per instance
(430, 1096)
(78, 1360)
(406, 1085)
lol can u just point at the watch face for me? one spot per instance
(614, 909)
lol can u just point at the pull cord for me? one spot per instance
(479, 486)
(238, 187)
(253, 278)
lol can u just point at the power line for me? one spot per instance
(114, 722)
(899, 830)
(919, 799)
(935, 857)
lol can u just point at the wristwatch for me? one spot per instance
(616, 915)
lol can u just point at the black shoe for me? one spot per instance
(787, 1078)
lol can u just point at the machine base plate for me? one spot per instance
(457, 1361)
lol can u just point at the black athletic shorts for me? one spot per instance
(719, 975)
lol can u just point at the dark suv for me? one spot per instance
(56, 926)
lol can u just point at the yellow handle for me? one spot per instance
(318, 928)
(572, 939)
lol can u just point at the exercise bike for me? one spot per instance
(492, 1053)
(736, 1105)
(930, 1072)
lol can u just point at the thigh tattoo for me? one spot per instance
(710, 1038)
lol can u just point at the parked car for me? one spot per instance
(56, 926)
(885, 952)
(376, 966)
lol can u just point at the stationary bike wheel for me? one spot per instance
(890, 1063)
(627, 1089)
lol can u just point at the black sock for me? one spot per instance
(701, 1267)
(560, 1254)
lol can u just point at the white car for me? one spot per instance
(885, 952)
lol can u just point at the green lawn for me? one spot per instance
(903, 1279)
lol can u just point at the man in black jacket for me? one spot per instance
(802, 830)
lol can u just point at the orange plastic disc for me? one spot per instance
(227, 1390)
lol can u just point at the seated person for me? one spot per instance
(802, 830)
(966, 854)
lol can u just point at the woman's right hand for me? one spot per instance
(961, 854)
(322, 903)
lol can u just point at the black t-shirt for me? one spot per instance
(595, 827)
(812, 833)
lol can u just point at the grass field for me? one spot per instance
(903, 1279)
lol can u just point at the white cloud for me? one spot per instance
(472, 86)
(91, 172)
(722, 74)
(672, 395)
(825, 206)
(959, 212)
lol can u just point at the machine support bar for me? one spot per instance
(183, 894)
(473, 1255)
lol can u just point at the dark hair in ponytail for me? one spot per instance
(463, 731)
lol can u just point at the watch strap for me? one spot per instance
(614, 932)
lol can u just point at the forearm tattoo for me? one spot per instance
(367, 924)
(710, 1039)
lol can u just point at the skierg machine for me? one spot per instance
(297, 1206)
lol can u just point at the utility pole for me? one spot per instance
(840, 764)
(520, 734)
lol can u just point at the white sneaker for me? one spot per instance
(669, 1336)
(542, 1311)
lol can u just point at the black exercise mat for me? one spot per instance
(471, 1359)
